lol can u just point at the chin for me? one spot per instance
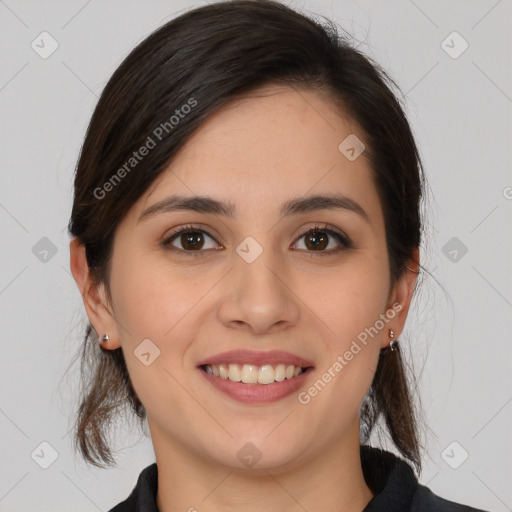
(260, 455)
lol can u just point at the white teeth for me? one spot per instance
(224, 371)
(235, 372)
(266, 374)
(249, 374)
(252, 374)
(280, 372)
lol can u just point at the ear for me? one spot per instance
(93, 295)
(400, 296)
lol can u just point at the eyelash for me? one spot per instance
(343, 239)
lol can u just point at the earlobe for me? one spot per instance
(401, 295)
(93, 295)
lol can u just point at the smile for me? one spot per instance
(254, 377)
(257, 393)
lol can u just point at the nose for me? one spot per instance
(259, 295)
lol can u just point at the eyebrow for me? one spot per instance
(205, 204)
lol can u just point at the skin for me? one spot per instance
(258, 153)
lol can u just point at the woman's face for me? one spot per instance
(252, 281)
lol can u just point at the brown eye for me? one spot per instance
(192, 240)
(318, 239)
(188, 240)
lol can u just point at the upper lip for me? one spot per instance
(272, 357)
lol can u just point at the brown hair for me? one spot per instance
(212, 55)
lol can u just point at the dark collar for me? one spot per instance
(391, 480)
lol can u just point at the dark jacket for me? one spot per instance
(392, 481)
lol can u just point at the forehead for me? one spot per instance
(274, 143)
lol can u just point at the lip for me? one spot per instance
(272, 357)
(258, 393)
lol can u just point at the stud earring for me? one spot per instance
(104, 338)
(393, 343)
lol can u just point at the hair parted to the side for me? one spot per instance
(214, 54)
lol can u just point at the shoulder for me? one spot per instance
(143, 495)
(396, 487)
(424, 500)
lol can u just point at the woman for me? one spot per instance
(246, 236)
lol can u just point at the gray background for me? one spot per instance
(458, 331)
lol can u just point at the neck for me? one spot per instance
(332, 481)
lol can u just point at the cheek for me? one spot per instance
(151, 304)
(352, 299)
(157, 304)
(352, 306)
(150, 300)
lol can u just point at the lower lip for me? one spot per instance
(257, 393)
